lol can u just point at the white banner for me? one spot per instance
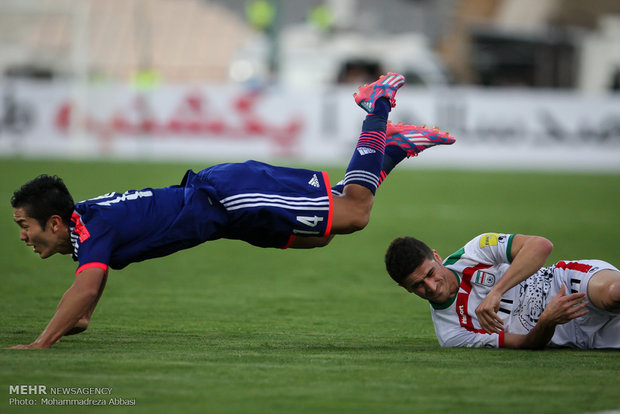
(494, 128)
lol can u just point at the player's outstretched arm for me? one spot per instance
(529, 254)
(561, 309)
(82, 324)
(77, 301)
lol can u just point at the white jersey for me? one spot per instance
(482, 263)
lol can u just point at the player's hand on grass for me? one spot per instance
(33, 345)
(564, 308)
(487, 313)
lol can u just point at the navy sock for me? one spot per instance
(393, 154)
(382, 107)
(365, 166)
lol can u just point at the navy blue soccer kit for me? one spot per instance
(264, 205)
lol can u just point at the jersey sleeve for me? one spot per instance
(491, 248)
(451, 334)
(462, 338)
(92, 245)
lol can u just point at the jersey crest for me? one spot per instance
(483, 278)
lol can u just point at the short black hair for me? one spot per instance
(403, 257)
(43, 197)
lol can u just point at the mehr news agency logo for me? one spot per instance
(37, 394)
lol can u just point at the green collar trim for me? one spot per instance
(454, 257)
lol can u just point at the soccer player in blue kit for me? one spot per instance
(264, 205)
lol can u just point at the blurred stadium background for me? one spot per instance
(520, 83)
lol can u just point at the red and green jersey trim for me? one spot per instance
(440, 306)
(508, 247)
(454, 257)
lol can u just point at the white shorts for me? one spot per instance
(598, 328)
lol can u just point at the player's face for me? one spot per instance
(44, 241)
(431, 281)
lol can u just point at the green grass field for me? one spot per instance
(229, 328)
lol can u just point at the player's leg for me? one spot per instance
(351, 210)
(351, 213)
(354, 195)
(604, 290)
(404, 141)
(380, 148)
(310, 242)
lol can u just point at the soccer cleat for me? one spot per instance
(385, 87)
(414, 139)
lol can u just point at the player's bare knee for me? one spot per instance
(360, 220)
(362, 216)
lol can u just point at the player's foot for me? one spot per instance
(385, 87)
(414, 139)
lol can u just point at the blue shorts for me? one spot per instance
(268, 206)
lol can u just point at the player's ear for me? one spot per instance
(55, 222)
(437, 256)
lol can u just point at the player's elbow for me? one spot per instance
(82, 324)
(612, 302)
(543, 245)
(79, 327)
(547, 245)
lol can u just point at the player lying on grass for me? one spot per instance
(261, 204)
(494, 292)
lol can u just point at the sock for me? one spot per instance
(393, 155)
(382, 108)
(368, 166)
(365, 165)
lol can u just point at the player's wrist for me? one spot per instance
(43, 342)
(40, 345)
(546, 322)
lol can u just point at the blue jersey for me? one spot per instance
(255, 202)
